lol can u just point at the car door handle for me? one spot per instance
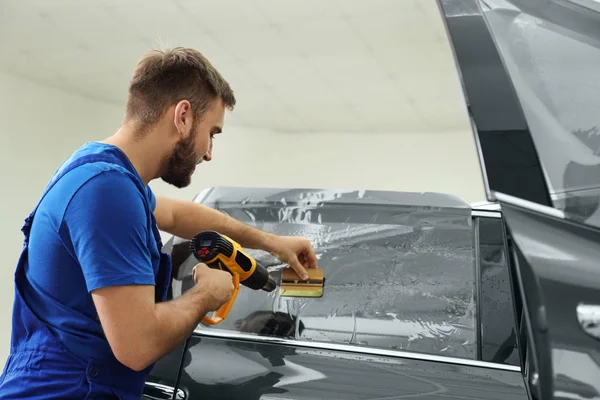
(158, 391)
(588, 316)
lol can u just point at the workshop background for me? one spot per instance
(347, 94)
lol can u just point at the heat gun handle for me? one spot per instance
(220, 314)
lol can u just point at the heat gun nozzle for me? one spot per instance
(270, 285)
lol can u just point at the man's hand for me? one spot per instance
(217, 284)
(296, 251)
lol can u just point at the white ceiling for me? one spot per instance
(295, 65)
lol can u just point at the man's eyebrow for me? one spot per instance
(217, 129)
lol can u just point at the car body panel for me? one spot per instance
(559, 271)
(252, 370)
(163, 379)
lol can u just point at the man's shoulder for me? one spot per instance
(98, 167)
(94, 187)
(108, 203)
(99, 180)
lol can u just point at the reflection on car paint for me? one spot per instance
(566, 386)
(399, 268)
(254, 370)
(588, 316)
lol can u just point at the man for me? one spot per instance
(90, 317)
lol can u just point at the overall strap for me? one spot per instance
(62, 171)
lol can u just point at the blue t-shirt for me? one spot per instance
(92, 230)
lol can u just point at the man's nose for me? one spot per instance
(208, 155)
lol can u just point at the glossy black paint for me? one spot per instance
(165, 373)
(238, 369)
(511, 163)
(558, 266)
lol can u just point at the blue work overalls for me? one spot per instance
(39, 365)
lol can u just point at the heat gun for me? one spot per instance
(219, 251)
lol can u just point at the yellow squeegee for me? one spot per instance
(293, 286)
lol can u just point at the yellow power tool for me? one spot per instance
(218, 251)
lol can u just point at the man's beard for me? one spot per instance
(181, 164)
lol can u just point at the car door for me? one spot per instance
(529, 74)
(416, 284)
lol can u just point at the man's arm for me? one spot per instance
(106, 223)
(141, 332)
(185, 219)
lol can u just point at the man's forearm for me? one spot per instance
(186, 219)
(176, 320)
(192, 218)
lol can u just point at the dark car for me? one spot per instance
(426, 295)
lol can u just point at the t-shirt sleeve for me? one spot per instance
(151, 198)
(107, 227)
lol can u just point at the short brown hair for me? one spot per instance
(164, 77)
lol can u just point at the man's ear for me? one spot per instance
(182, 118)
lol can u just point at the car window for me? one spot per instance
(399, 269)
(552, 51)
(498, 332)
